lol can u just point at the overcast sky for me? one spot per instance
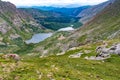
(54, 2)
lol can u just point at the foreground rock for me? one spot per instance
(102, 51)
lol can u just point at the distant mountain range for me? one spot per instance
(64, 10)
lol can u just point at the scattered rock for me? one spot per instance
(17, 78)
(96, 58)
(61, 37)
(39, 74)
(42, 56)
(14, 36)
(78, 55)
(50, 75)
(1, 78)
(1, 39)
(60, 54)
(73, 48)
(87, 51)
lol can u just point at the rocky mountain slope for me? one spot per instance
(15, 25)
(89, 13)
(104, 26)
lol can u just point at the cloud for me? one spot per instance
(53, 2)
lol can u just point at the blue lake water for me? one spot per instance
(36, 38)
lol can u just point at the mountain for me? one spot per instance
(15, 25)
(89, 13)
(104, 26)
(64, 10)
(72, 54)
(53, 20)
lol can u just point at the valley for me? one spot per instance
(52, 19)
(54, 43)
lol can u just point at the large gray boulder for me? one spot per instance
(105, 52)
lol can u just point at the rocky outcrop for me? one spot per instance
(78, 55)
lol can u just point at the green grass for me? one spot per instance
(63, 68)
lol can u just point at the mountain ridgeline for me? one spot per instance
(105, 25)
(87, 14)
(63, 10)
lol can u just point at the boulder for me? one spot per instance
(104, 52)
(16, 57)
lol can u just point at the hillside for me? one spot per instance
(104, 26)
(89, 13)
(32, 67)
(15, 26)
